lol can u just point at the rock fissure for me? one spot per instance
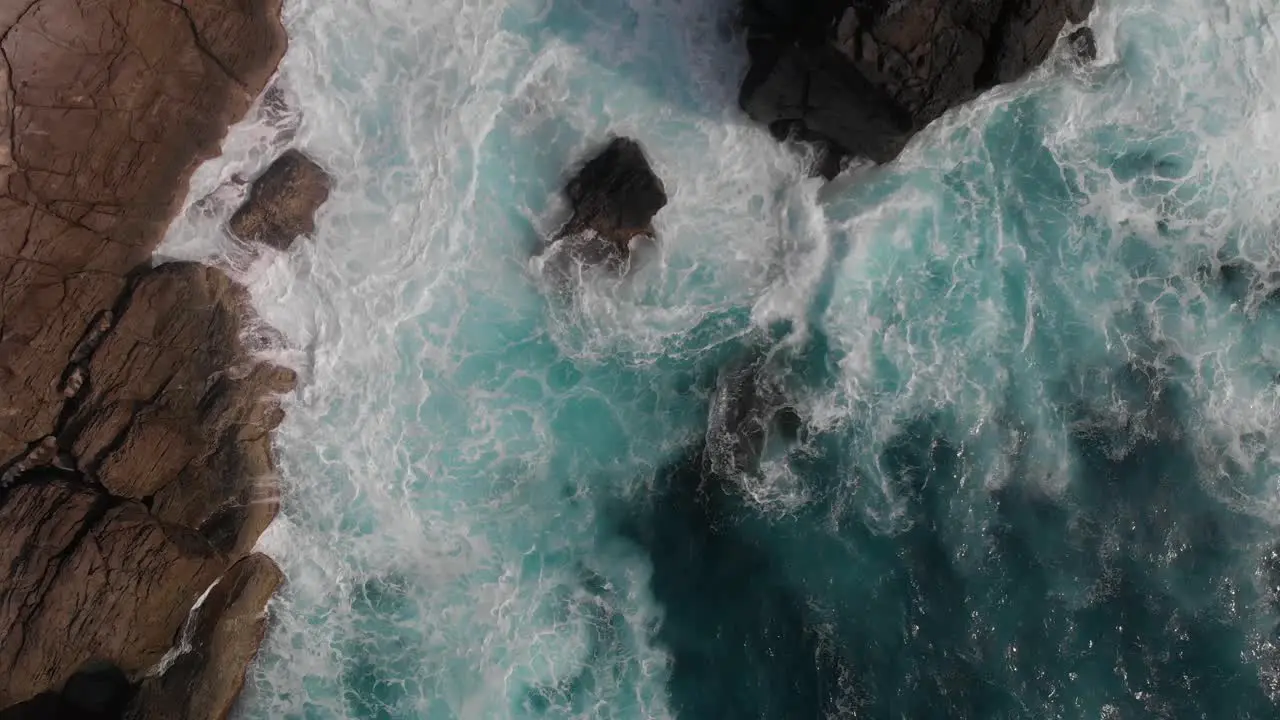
(58, 561)
(6, 157)
(201, 46)
(18, 19)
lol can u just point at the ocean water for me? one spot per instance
(1034, 363)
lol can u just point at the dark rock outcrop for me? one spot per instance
(135, 451)
(282, 202)
(614, 197)
(865, 75)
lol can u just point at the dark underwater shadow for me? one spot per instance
(743, 642)
(1131, 594)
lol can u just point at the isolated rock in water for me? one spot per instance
(616, 193)
(283, 201)
(1084, 46)
(614, 198)
(866, 76)
(205, 680)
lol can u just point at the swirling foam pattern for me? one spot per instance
(1038, 477)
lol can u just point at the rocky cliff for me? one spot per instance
(135, 455)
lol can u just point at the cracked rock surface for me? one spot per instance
(135, 447)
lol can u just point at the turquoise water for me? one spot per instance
(1037, 473)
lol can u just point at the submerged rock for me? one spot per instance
(1084, 46)
(745, 640)
(97, 691)
(748, 410)
(282, 202)
(867, 75)
(614, 197)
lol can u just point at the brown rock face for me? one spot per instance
(175, 411)
(231, 623)
(283, 201)
(135, 460)
(111, 105)
(77, 556)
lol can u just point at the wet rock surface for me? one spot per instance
(1084, 46)
(866, 75)
(78, 555)
(282, 202)
(135, 462)
(615, 196)
(748, 409)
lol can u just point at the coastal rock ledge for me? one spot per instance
(135, 427)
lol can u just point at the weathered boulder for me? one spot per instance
(865, 75)
(614, 197)
(282, 202)
(134, 448)
(205, 680)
